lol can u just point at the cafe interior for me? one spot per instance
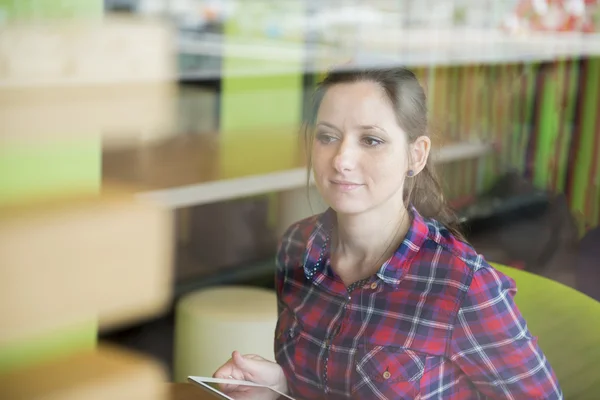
(152, 154)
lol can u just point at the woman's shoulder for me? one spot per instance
(478, 274)
(441, 249)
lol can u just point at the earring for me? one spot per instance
(410, 173)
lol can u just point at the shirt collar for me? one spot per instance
(391, 272)
(317, 247)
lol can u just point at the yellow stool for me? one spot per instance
(212, 323)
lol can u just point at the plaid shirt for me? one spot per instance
(435, 322)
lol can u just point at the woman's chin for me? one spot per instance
(347, 206)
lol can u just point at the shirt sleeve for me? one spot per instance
(493, 346)
(289, 251)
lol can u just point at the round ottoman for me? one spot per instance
(211, 323)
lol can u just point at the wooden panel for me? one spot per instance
(63, 263)
(107, 373)
(114, 76)
(119, 113)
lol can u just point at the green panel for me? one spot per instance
(19, 9)
(53, 168)
(547, 131)
(585, 152)
(566, 323)
(568, 124)
(554, 149)
(44, 347)
(260, 102)
(254, 99)
(252, 94)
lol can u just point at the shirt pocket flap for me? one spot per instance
(390, 364)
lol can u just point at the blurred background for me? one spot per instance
(193, 109)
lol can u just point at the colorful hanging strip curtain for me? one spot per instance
(544, 119)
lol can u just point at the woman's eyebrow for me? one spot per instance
(363, 127)
(327, 124)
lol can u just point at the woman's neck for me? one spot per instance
(361, 242)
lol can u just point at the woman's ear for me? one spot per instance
(419, 153)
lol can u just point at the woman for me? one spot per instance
(380, 297)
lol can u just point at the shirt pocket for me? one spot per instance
(388, 372)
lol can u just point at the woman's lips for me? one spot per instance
(345, 186)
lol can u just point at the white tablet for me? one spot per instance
(245, 390)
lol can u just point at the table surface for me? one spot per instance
(200, 158)
(187, 391)
(187, 170)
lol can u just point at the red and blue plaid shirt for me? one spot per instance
(435, 322)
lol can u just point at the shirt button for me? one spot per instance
(374, 285)
(387, 375)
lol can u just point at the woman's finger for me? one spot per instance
(225, 370)
(243, 368)
(241, 362)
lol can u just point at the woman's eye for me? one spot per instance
(372, 142)
(325, 138)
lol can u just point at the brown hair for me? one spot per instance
(408, 99)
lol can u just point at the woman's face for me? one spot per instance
(359, 153)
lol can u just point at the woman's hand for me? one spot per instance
(251, 368)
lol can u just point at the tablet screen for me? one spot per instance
(243, 391)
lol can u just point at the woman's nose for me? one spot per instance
(345, 158)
